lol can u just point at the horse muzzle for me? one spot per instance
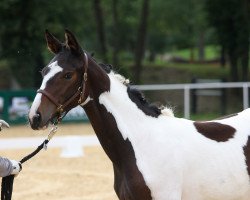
(40, 118)
(35, 121)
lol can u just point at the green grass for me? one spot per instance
(203, 70)
(200, 70)
(205, 116)
(201, 116)
(211, 52)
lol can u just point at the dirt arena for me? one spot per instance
(51, 177)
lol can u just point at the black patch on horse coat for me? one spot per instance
(215, 131)
(138, 98)
(246, 150)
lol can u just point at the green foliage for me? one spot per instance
(22, 38)
(206, 71)
(231, 20)
(172, 25)
(176, 22)
(211, 53)
(128, 22)
(5, 75)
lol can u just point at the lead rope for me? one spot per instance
(7, 182)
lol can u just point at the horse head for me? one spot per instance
(64, 81)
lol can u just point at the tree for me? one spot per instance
(116, 38)
(141, 40)
(22, 41)
(100, 28)
(18, 40)
(230, 18)
(176, 24)
(244, 35)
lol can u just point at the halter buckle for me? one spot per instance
(85, 76)
(60, 109)
(80, 99)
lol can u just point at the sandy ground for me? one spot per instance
(48, 176)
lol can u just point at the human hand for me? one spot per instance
(16, 167)
(3, 124)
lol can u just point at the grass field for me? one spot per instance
(211, 52)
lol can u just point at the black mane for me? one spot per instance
(107, 67)
(137, 96)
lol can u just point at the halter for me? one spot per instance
(80, 92)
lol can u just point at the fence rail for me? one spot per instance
(190, 86)
(11, 111)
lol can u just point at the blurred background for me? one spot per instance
(148, 41)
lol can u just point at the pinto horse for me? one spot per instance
(154, 154)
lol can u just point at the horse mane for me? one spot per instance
(107, 67)
(139, 99)
(137, 96)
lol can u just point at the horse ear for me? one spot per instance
(53, 44)
(71, 42)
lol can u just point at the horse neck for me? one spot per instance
(103, 122)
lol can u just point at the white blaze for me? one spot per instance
(54, 69)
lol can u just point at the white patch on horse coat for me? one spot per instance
(176, 161)
(168, 112)
(121, 78)
(54, 69)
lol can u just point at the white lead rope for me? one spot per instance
(51, 134)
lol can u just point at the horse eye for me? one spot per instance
(68, 76)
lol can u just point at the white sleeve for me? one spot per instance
(5, 167)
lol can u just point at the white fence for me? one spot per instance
(187, 87)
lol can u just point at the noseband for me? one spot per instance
(80, 92)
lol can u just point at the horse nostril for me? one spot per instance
(36, 121)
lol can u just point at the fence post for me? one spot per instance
(245, 96)
(187, 101)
